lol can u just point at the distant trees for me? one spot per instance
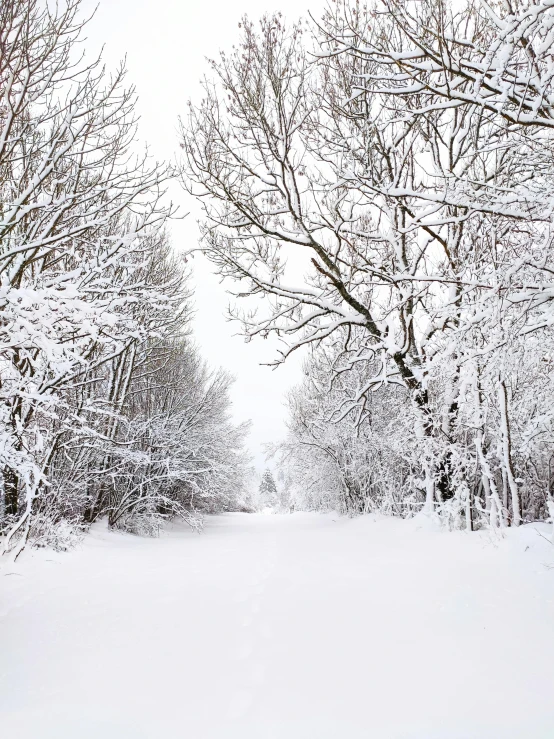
(404, 166)
(105, 406)
(268, 495)
(346, 462)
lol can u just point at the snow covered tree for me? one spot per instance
(268, 495)
(92, 300)
(420, 221)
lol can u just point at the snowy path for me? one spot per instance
(281, 627)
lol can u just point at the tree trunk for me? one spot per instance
(493, 504)
(507, 453)
(445, 490)
(11, 491)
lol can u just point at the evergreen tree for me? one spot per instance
(268, 491)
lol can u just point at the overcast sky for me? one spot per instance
(165, 43)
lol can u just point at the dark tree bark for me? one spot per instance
(11, 491)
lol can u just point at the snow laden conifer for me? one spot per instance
(268, 495)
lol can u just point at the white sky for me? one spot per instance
(166, 43)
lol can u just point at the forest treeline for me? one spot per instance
(379, 181)
(106, 407)
(384, 179)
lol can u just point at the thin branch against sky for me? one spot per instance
(166, 52)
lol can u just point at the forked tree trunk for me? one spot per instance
(507, 453)
(493, 504)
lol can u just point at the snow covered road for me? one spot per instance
(281, 627)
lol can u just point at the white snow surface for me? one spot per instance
(299, 626)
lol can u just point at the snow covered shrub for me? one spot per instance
(140, 524)
(61, 535)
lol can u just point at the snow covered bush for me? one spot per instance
(140, 524)
(59, 534)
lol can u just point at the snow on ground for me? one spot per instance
(281, 627)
